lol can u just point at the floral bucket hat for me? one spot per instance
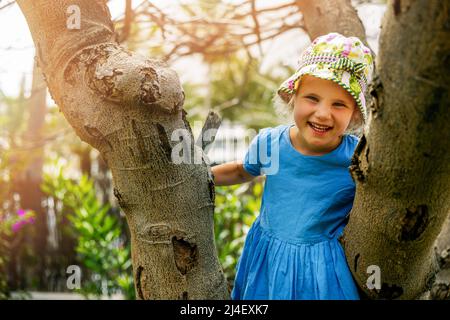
(344, 60)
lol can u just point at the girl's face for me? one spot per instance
(322, 113)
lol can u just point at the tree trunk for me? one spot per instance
(324, 16)
(127, 107)
(402, 164)
(103, 180)
(83, 153)
(30, 179)
(401, 168)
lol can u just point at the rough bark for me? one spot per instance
(440, 289)
(127, 107)
(402, 164)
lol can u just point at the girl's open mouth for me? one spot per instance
(319, 129)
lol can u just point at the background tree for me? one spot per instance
(27, 181)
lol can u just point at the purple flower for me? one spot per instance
(17, 226)
(26, 217)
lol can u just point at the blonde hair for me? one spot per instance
(285, 112)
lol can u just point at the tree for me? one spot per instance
(27, 181)
(127, 107)
(402, 164)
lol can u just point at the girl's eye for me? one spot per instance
(312, 98)
(340, 105)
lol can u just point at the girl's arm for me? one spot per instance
(230, 173)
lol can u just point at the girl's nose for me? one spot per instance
(323, 111)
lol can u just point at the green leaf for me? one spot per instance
(108, 223)
(86, 226)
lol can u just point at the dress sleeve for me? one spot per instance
(256, 155)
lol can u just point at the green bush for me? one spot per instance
(236, 208)
(99, 246)
(10, 225)
(100, 249)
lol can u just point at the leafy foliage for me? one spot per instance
(236, 208)
(10, 224)
(100, 248)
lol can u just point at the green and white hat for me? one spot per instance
(344, 60)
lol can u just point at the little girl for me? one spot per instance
(292, 249)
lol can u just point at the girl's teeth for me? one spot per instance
(320, 128)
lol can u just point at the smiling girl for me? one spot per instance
(292, 249)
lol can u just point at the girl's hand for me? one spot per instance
(230, 173)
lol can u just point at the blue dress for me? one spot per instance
(292, 249)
